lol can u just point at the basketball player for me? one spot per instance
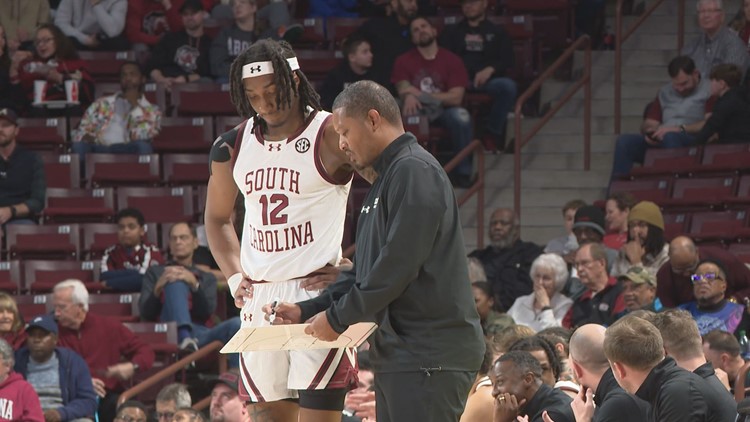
(285, 161)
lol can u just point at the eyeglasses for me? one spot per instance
(164, 415)
(708, 11)
(43, 41)
(707, 277)
(584, 263)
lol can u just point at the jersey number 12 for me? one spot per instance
(279, 201)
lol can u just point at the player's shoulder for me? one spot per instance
(226, 142)
(230, 137)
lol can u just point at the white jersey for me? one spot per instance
(294, 212)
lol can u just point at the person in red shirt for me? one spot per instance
(431, 80)
(113, 353)
(18, 400)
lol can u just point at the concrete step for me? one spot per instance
(570, 143)
(658, 24)
(549, 178)
(550, 160)
(601, 125)
(606, 107)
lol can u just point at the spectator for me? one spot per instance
(20, 401)
(519, 391)
(124, 264)
(710, 309)
(430, 80)
(233, 40)
(356, 66)
(390, 36)
(59, 376)
(635, 351)
(359, 403)
(102, 341)
(568, 243)
(683, 343)
(507, 261)
(6, 93)
(148, 20)
(180, 292)
(54, 61)
(646, 247)
(589, 227)
(639, 291)
(559, 337)
(487, 51)
(226, 404)
(333, 9)
(125, 122)
(11, 322)
(617, 208)
(131, 411)
(716, 44)
(22, 183)
(188, 414)
(731, 113)
(591, 368)
(21, 19)
(94, 25)
(183, 56)
(669, 121)
(546, 306)
(493, 321)
(543, 351)
(674, 286)
(170, 398)
(722, 350)
(739, 24)
(602, 301)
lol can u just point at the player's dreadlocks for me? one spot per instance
(276, 52)
(534, 343)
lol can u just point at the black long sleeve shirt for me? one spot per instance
(484, 45)
(730, 118)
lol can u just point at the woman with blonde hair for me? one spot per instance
(11, 322)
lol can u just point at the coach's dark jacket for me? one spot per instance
(410, 274)
(615, 404)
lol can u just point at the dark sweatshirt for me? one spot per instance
(484, 45)
(179, 54)
(613, 404)
(410, 274)
(730, 118)
(230, 42)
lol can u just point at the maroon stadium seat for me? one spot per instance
(185, 169)
(97, 237)
(668, 161)
(42, 242)
(10, 276)
(644, 190)
(104, 66)
(200, 99)
(701, 192)
(158, 205)
(41, 276)
(185, 134)
(79, 205)
(43, 134)
(61, 170)
(122, 170)
(123, 306)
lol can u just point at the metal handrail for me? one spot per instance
(582, 42)
(621, 37)
(476, 188)
(173, 369)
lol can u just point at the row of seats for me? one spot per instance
(692, 161)
(718, 227)
(713, 192)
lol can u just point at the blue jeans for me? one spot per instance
(631, 148)
(503, 92)
(175, 308)
(457, 121)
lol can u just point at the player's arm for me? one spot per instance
(220, 200)
(335, 161)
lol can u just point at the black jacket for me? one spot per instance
(554, 401)
(613, 404)
(730, 118)
(410, 273)
(507, 270)
(481, 46)
(677, 395)
(178, 54)
(388, 39)
(340, 77)
(717, 393)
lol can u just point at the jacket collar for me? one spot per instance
(389, 154)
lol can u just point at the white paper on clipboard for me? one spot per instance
(293, 337)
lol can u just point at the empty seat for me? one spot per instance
(741, 251)
(161, 336)
(43, 134)
(122, 169)
(123, 306)
(10, 276)
(61, 170)
(743, 192)
(185, 134)
(97, 237)
(314, 34)
(79, 205)
(668, 161)
(42, 242)
(337, 29)
(721, 225)
(226, 123)
(318, 63)
(702, 192)
(199, 99)
(185, 169)
(644, 190)
(41, 276)
(104, 66)
(675, 225)
(553, 19)
(30, 306)
(159, 205)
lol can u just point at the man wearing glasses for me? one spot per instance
(711, 309)
(673, 285)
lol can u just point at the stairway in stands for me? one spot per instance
(552, 161)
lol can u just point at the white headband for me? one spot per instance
(252, 70)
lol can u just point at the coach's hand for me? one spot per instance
(323, 278)
(284, 313)
(320, 328)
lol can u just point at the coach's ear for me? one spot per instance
(373, 119)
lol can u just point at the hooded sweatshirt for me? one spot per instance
(18, 400)
(78, 18)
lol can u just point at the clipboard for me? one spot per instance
(293, 337)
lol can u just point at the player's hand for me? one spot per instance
(243, 293)
(285, 313)
(320, 328)
(99, 387)
(583, 405)
(323, 278)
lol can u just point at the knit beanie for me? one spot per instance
(648, 212)
(590, 216)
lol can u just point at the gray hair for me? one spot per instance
(555, 263)
(177, 393)
(79, 295)
(700, 2)
(6, 352)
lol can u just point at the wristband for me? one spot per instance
(234, 282)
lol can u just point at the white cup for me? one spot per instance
(71, 91)
(40, 91)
